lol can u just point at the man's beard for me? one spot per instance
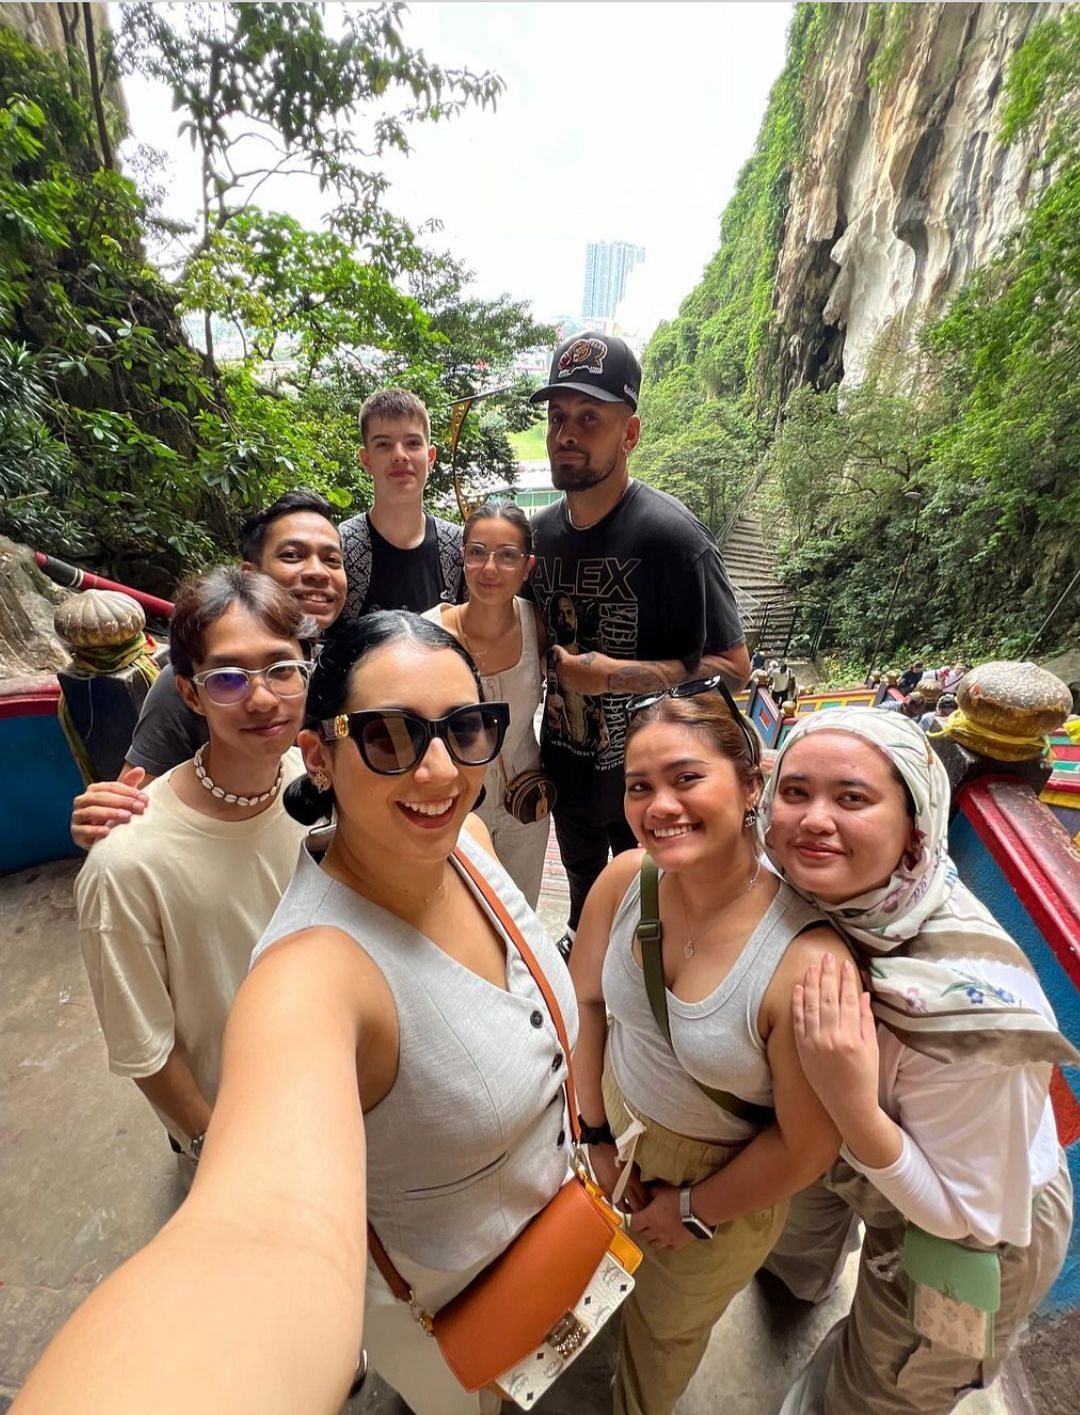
(580, 477)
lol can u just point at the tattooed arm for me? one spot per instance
(598, 673)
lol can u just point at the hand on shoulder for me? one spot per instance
(106, 804)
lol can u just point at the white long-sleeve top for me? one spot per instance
(979, 1139)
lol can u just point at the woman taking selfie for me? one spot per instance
(717, 1126)
(459, 1066)
(502, 633)
(937, 1080)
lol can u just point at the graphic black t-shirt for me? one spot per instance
(404, 579)
(646, 582)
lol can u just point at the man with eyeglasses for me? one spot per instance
(296, 543)
(642, 584)
(171, 906)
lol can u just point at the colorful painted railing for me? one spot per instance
(841, 697)
(39, 778)
(1062, 792)
(1013, 853)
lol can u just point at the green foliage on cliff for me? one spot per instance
(704, 400)
(944, 518)
(120, 444)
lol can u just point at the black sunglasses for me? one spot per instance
(692, 689)
(391, 741)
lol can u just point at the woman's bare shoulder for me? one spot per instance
(811, 946)
(480, 833)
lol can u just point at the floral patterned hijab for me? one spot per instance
(923, 936)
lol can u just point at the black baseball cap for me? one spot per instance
(598, 365)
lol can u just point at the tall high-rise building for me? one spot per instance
(607, 264)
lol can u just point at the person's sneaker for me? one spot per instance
(360, 1377)
(565, 945)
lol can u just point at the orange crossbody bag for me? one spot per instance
(521, 1321)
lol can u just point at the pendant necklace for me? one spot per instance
(230, 797)
(688, 946)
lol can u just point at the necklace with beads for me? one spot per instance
(688, 947)
(230, 797)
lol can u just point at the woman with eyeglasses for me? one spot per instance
(936, 1078)
(458, 1067)
(696, 1110)
(171, 906)
(502, 633)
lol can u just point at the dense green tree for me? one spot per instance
(268, 90)
(120, 444)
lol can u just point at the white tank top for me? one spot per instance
(716, 1040)
(520, 686)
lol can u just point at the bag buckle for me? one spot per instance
(419, 1315)
(650, 931)
(568, 1335)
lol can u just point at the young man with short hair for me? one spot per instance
(396, 555)
(642, 584)
(296, 543)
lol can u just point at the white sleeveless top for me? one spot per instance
(716, 1040)
(519, 685)
(473, 1138)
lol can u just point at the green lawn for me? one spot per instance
(530, 446)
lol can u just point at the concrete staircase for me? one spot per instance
(768, 608)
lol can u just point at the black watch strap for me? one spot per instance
(596, 1134)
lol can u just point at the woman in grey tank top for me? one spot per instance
(717, 1126)
(459, 1067)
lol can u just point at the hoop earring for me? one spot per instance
(750, 819)
(320, 780)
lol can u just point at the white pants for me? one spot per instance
(402, 1352)
(520, 848)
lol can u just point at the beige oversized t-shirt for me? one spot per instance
(170, 907)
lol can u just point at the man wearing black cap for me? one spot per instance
(640, 580)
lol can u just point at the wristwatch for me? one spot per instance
(595, 1134)
(693, 1225)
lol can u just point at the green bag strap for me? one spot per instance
(650, 932)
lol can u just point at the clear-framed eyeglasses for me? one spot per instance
(506, 557)
(287, 678)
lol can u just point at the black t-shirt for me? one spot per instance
(646, 582)
(404, 579)
(168, 731)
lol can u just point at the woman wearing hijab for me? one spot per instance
(937, 1080)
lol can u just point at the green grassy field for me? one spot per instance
(529, 446)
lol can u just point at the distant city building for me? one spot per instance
(607, 264)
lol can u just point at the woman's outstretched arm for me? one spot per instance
(251, 1298)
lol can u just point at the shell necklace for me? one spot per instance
(688, 946)
(230, 797)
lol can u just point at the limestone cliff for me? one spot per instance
(905, 185)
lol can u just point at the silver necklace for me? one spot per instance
(589, 524)
(688, 946)
(230, 797)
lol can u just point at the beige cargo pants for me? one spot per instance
(679, 1296)
(874, 1362)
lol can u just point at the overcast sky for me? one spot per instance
(625, 121)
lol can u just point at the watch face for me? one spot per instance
(698, 1229)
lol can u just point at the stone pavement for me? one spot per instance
(86, 1177)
